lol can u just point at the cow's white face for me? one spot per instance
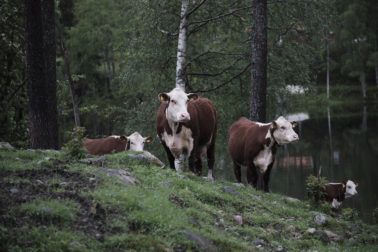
(137, 141)
(177, 100)
(284, 132)
(350, 189)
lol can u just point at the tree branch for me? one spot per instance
(195, 8)
(219, 16)
(219, 73)
(222, 84)
(210, 52)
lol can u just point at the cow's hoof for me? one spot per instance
(211, 179)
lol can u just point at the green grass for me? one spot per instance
(168, 211)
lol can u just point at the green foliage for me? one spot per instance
(63, 211)
(375, 215)
(315, 187)
(349, 214)
(73, 148)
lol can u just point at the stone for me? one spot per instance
(238, 184)
(279, 248)
(311, 230)
(39, 181)
(123, 175)
(14, 190)
(255, 197)
(63, 183)
(238, 219)
(77, 244)
(202, 242)
(332, 236)
(231, 190)
(100, 161)
(290, 200)
(166, 183)
(290, 228)
(259, 242)
(6, 145)
(321, 219)
(354, 227)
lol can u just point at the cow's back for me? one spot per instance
(103, 146)
(245, 139)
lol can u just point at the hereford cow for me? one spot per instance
(337, 192)
(254, 144)
(187, 126)
(112, 144)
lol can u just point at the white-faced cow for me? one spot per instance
(112, 144)
(337, 192)
(187, 126)
(254, 145)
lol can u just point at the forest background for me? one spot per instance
(114, 57)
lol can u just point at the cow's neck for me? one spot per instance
(272, 140)
(175, 127)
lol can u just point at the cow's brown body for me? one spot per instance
(106, 145)
(335, 191)
(203, 127)
(245, 141)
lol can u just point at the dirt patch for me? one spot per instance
(55, 182)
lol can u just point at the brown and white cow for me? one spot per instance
(112, 144)
(337, 192)
(254, 145)
(186, 125)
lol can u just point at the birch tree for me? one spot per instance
(181, 45)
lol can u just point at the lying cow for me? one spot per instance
(254, 145)
(112, 144)
(187, 126)
(337, 192)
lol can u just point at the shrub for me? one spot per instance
(73, 148)
(315, 187)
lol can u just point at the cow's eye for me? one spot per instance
(173, 101)
(349, 187)
(132, 143)
(283, 127)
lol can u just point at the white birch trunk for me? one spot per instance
(181, 46)
(363, 84)
(327, 70)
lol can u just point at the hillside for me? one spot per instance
(47, 204)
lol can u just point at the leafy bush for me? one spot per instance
(375, 215)
(315, 187)
(350, 214)
(73, 148)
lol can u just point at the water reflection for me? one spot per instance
(343, 146)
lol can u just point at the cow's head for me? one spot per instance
(136, 141)
(350, 188)
(283, 131)
(177, 104)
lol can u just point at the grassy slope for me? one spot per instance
(53, 205)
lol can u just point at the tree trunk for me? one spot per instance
(259, 61)
(41, 73)
(327, 69)
(181, 46)
(363, 83)
(64, 51)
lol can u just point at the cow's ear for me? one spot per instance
(294, 124)
(163, 97)
(148, 139)
(123, 138)
(344, 183)
(192, 97)
(274, 125)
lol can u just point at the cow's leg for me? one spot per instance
(198, 165)
(266, 177)
(237, 171)
(260, 179)
(171, 158)
(252, 174)
(210, 160)
(180, 162)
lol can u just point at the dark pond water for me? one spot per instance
(344, 142)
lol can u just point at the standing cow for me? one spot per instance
(112, 144)
(187, 126)
(254, 145)
(337, 192)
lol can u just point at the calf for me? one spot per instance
(112, 144)
(187, 126)
(337, 192)
(254, 145)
